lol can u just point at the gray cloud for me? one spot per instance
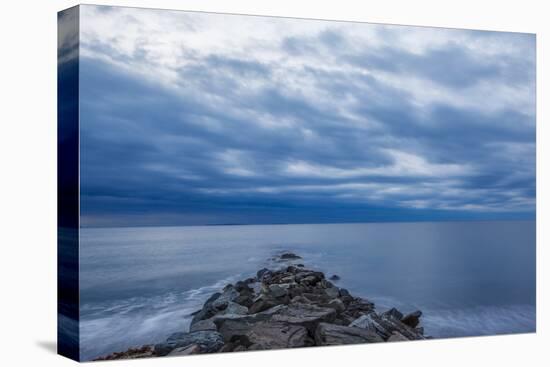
(248, 137)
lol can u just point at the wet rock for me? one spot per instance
(330, 334)
(203, 325)
(265, 302)
(208, 341)
(305, 315)
(229, 295)
(396, 336)
(332, 292)
(265, 272)
(412, 319)
(233, 308)
(132, 353)
(289, 256)
(185, 351)
(385, 325)
(275, 335)
(334, 277)
(393, 312)
(276, 291)
(337, 305)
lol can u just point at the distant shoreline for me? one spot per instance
(312, 223)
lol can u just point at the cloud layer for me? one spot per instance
(195, 118)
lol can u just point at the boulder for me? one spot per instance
(263, 273)
(332, 292)
(412, 319)
(208, 341)
(330, 334)
(202, 325)
(229, 295)
(276, 290)
(275, 335)
(396, 336)
(334, 277)
(264, 302)
(393, 312)
(337, 305)
(289, 256)
(385, 325)
(185, 351)
(234, 309)
(305, 315)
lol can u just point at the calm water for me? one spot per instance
(470, 278)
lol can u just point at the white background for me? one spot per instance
(28, 46)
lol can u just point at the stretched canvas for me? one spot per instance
(231, 183)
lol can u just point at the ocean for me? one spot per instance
(138, 285)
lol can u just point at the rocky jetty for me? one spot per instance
(287, 307)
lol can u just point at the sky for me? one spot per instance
(193, 118)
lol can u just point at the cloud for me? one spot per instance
(284, 120)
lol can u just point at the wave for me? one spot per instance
(116, 326)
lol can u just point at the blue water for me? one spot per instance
(138, 285)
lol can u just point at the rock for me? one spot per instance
(185, 351)
(264, 303)
(334, 277)
(357, 306)
(305, 315)
(275, 335)
(385, 325)
(229, 295)
(330, 334)
(332, 292)
(337, 305)
(276, 291)
(364, 322)
(263, 273)
(132, 353)
(203, 325)
(208, 341)
(289, 256)
(234, 309)
(412, 319)
(393, 312)
(396, 336)
(288, 279)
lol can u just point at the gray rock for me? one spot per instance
(305, 315)
(332, 292)
(275, 335)
(185, 351)
(276, 290)
(364, 322)
(396, 336)
(203, 325)
(234, 309)
(330, 334)
(337, 305)
(334, 277)
(265, 272)
(208, 341)
(289, 256)
(385, 325)
(229, 295)
(412, 319)
(393, 312)
(264, 302)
